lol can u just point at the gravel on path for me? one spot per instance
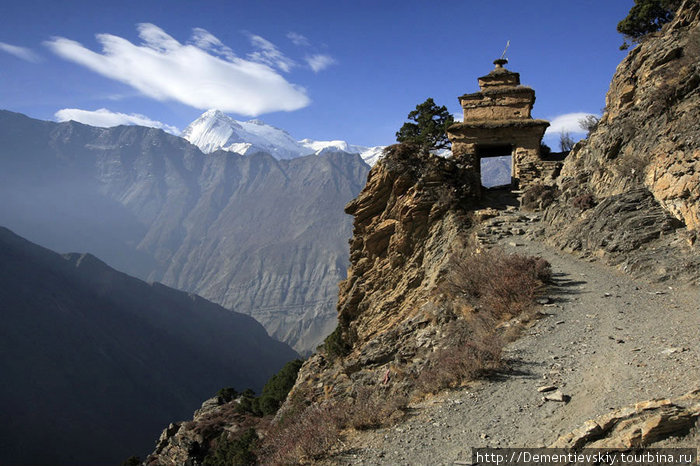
(605, 341)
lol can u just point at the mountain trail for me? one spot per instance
(605, 341)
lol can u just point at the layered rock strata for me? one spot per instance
(636, 426)
(648, 141)
(411, 214)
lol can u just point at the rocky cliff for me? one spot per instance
(412, 218)
(419, 310)
(630, 192)
(407, 219)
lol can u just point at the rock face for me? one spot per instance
(407, 220)
(400, 224)
(258, 235)
(188, 442)
(647, 139)
(636, 426)
(96, 362)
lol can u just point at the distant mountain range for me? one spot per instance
(215, 130)
(255, 234)
(261, 234)
(95, 362)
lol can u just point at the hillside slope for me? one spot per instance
(605, 340)
(95, 362)
(628, 196)
(262, 236)
(638, 173)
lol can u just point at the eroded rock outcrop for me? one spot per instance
(640, 425)
(412, 211)
(648, 139)
(190, 443)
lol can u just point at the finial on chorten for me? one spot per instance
(503, 60)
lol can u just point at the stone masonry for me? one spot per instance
(498, 121)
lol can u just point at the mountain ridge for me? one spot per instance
(215, 130)
(228, 227)
(95, 361)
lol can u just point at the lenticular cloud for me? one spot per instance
(202, 74)
(106, 119)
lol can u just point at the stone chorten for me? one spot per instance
(497, 122)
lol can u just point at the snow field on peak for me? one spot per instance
(214, 130)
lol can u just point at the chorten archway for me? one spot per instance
(497, 121)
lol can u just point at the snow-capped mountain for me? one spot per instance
(215, 130)
(369, 154)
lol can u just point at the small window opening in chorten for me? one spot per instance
(496, 165)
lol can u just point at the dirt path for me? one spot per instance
(606, 341)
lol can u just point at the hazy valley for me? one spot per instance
(148, 279)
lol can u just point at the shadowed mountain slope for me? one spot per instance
(95, 362)
(258, 235)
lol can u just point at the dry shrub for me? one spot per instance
(497, 285)
(302, 438)
(212, 424)
(402, 150)
(373, 407)
(501, 284)
(632, 166)
(473, 350)
(311, 431)
(584, 201)
(539, 196)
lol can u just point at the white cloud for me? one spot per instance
(209, 42)
(298, 39)
(202, 74)
(106, 119)
(20, 52)
(268, 54)
(319, 62)
(568, 123)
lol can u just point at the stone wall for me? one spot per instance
(500, 115)
(524, 135)
(498, 104)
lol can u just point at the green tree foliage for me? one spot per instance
(274, 392)
(132, 461)
(276, 389)
(646, 16)
(336, 345)
(227, 394)
(237, 451)
(429, 129)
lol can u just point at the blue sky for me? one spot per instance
(324, 70)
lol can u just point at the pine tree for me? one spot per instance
(429, 130)
(646, 16)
